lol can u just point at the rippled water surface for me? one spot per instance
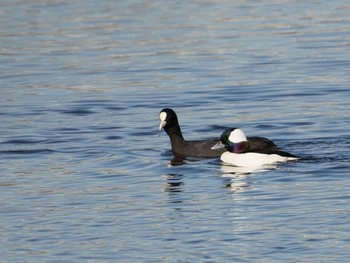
(85, 174)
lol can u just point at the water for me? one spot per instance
(85, 174)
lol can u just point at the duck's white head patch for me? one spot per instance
(237, 135)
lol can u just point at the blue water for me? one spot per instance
(85, 174)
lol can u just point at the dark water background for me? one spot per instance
(84, 171)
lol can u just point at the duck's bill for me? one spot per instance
(219, 145)
(162, 125)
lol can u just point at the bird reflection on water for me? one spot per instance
(237, 175)
(173, 183)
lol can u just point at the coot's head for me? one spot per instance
(168, 119)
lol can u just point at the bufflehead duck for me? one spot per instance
(202, 148)
(238, 151)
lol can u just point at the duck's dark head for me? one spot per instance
(168, 119)
(235, 140)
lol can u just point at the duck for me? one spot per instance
(239, 153)
(201, 148)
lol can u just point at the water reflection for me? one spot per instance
(177, 160)
(237, 176)
(173, 184)
(229, 170)
(181, 160)
(237, 186)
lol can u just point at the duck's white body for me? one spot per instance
(252, 159)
